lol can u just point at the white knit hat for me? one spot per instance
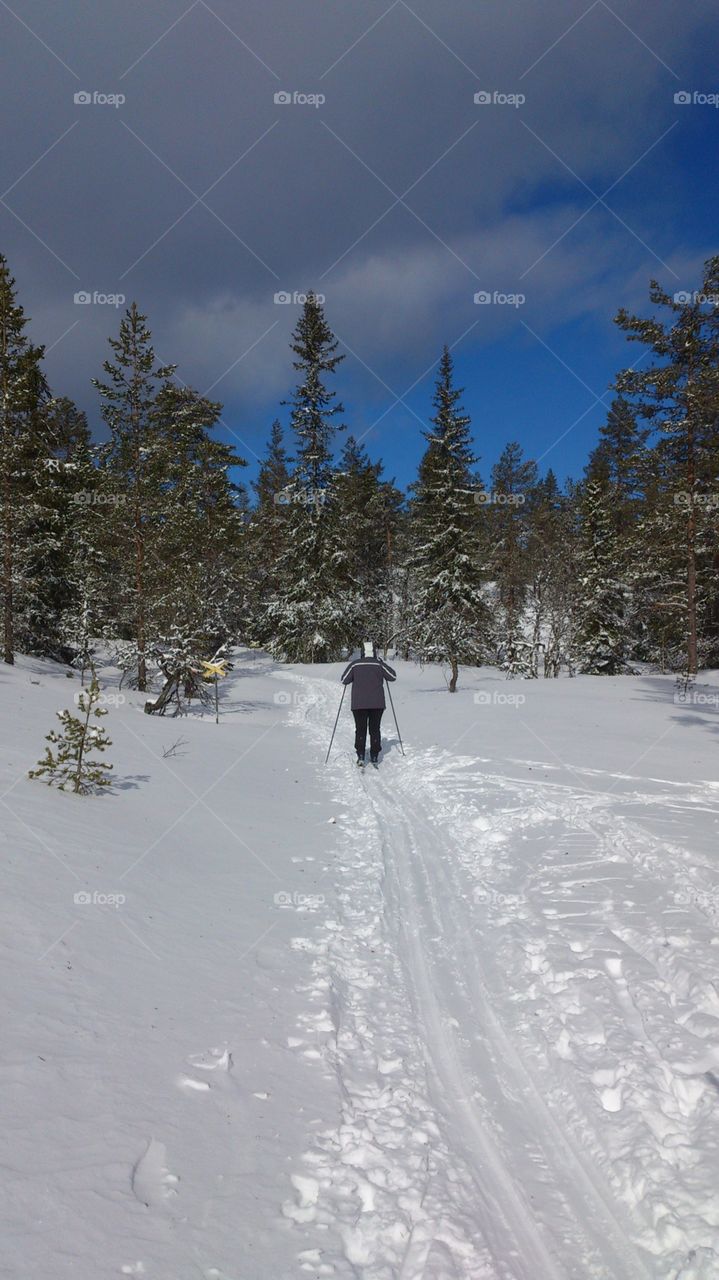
(367, 648)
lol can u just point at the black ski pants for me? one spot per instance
(371, 717)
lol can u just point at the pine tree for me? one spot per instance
(600, 639)
(71, 766)
(179, 658)
(656, 555)
(312, 616)
(73, 590)
(23, 391)
(450, 618)
(679, 395)
(129, 410)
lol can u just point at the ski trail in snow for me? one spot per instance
(504, 1213)
(517, 1243)
(516, 1182)
(612, 1254)
(666, 1017)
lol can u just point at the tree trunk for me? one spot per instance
(171, 687)
(77, 781)
(8, 602)
(7, 591)
(455, 675)
(691, 556)
(140, 594)
(692, 656)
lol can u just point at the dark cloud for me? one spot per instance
(398, 197)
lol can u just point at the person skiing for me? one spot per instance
(367, 675)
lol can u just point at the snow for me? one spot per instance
(454, 1019)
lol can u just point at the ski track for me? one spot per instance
(499, 1123)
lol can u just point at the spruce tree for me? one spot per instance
(23, 449)
(89, 605)
(450, 618)
(513, 480)
(550, 576)
(313, 614)
(617, 462)
(198, 525)
(70, 765)
(129, 410)
(267, 532)
(366, 510)
(600, 639)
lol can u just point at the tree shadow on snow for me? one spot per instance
(242, 708)
(258, 668)
(130, 782)
(689, 712)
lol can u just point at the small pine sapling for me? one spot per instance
(71, 766)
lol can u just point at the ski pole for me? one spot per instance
(336, 723)
(394, 713)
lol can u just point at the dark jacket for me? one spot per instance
(367, 677)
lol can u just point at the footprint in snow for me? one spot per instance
(152, 1183)
(192, 1086)
(212, 1060)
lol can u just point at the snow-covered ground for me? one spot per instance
(454, 1019)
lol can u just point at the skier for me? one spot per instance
(367, 675)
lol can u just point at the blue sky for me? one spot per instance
(398, 197)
